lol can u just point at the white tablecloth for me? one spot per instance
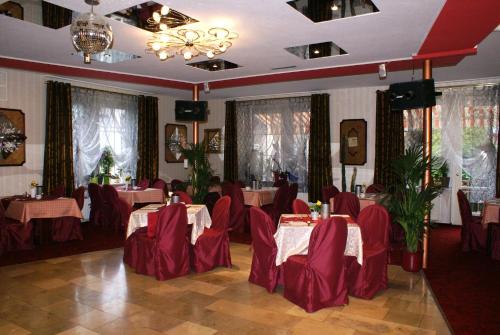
(198, 216)
(293, 239)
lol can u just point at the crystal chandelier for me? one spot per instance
(91, 33)
(165, 43)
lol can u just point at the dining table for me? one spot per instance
(197, 215)
(490, 217)
(365, 200)
(259, 197)
(26, 209)
(294, 231)
(140, 195)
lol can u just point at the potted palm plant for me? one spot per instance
(409, 202)
(200, 170)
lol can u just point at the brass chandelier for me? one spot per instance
(165, 42)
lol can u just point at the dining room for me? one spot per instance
(222, 169)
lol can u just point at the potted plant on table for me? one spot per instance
(409, 202)
(315, 209)
(106, 162)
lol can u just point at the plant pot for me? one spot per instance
(412, 261)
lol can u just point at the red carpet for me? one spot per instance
(94, 239)
(466, 285)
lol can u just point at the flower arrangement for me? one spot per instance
(128, 179)
(316, 207)
(33, 184)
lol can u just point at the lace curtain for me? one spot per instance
(273, 134)
(465, 133)
(100, 120)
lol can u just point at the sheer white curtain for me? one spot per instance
(273, 134)
(103, 119)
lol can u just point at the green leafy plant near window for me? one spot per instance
(200, 170)
(106, 162)
(409, 201)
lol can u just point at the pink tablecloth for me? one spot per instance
(490, 212)
(369, 199)
(25, 210)
(141, 196)
(260, 197)
(293, 233)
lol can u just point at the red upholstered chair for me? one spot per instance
(279, 204)
(210, 200)
(329, 192)
(174, 183)
(317, 280)
(116, 211)
(69, 228)
(375, 188)
(14, 235)
(161, 185)
(227, 188)
(96, 204)
(473, 236)
(346, 203)
(292, 195)
(166, 255)
(212, 247)
(264, 271)
(240, 183)
(300, 207)
(79, 196)
(184, 197)
(238, 213)
(364, 281)
(495, 241)
(144, 183)
(59, 191)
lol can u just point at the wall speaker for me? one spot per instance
(412, 94)
(382, 72)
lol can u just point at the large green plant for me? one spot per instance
(409, 201)
(200, 170)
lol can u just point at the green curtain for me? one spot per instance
(147, 138)
(230, 143)
(320, 154)
(389, 139)
(54, 16)
(58, 157)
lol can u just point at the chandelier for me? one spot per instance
(165, 43)
(90, 33)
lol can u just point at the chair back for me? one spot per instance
(326, 247)
(292, 195)
(237, 205)
(184, 197)
(210, 200)
(464, 206)
(109, 194)
(329, 192)
(174, 183)
(300, 207)
(144, 183)
(2, 213)
(240, 184)
(95, 194)
(220, 216)
(79, 196)
(59, 191)
(374, 222)
(171, 229)
(161, 185)
(281, 198)
(375, 188)
(346, 203)
(262, 229)
(227, 188)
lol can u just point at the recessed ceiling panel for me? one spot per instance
(214, 65)
(316, 50)
(110, 56)
(323, 10)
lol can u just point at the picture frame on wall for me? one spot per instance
(213, 142)
(12, 137)
(175, 137)
(353, 141)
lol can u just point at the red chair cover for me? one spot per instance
(116, 211)
(14, 235)
(238, 218)
(240, 184)
(184, 197)
(264, 271)
(317, 280)
(227, 188)
(152, 222)
(144, 183)
(279, 204)
(292, 195)
(364, 281)
(495, 241)
(79, 196)
(210, 200)
(96, 204)
(329, 192)
(473, 236)
(174, 183)
(166, 255)
(161, 185)
(212, 247)
(300, 207)
(375, 188)
(58, 191)
(346, 203)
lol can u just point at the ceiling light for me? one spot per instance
(316, 51)
(90, 33)
(164, 10)
(334, 7)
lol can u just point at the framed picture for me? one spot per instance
(175, 137)
(12, 137)
(12, 9)
(353, 142)
(212, 140)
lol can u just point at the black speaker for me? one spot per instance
(186, 110)
(412, 94)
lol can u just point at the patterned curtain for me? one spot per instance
(55, 16)
(320, 155)
(230, 143)
(389, 138)
(58, 157)
(147, 142)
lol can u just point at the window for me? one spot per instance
(273, 135)
(103, 120)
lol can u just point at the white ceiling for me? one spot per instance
(265, 28)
